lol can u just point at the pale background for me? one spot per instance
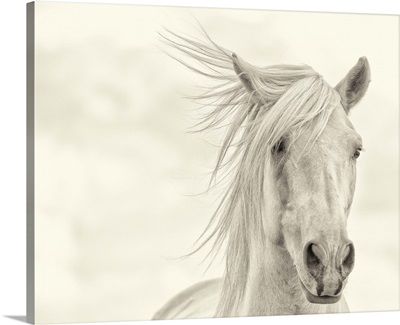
(86, 274)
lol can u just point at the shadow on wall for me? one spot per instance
(19, 318)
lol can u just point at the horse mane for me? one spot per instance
(286, 101)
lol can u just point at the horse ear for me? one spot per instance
(242, 70)
(354, 86)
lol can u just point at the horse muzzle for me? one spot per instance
(326, 271)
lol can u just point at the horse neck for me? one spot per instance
(273, 287)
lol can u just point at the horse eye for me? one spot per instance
(279, 147)
(357, 153)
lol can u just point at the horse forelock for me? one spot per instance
(289, 100)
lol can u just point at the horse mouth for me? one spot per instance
(323, 300)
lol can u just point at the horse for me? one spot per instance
(290, 152)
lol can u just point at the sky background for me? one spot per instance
(116, 169)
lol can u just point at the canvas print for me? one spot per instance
(197, 163)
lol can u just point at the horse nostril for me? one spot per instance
(314, 255)
(348, 259)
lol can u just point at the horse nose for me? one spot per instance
(316, 257)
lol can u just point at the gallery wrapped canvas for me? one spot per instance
(198, 163)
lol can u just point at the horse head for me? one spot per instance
(313, 177)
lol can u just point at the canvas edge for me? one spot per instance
(30, 162)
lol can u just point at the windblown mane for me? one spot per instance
(285, 101)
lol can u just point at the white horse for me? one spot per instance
(290, 151)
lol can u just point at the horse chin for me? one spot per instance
(322, 300)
